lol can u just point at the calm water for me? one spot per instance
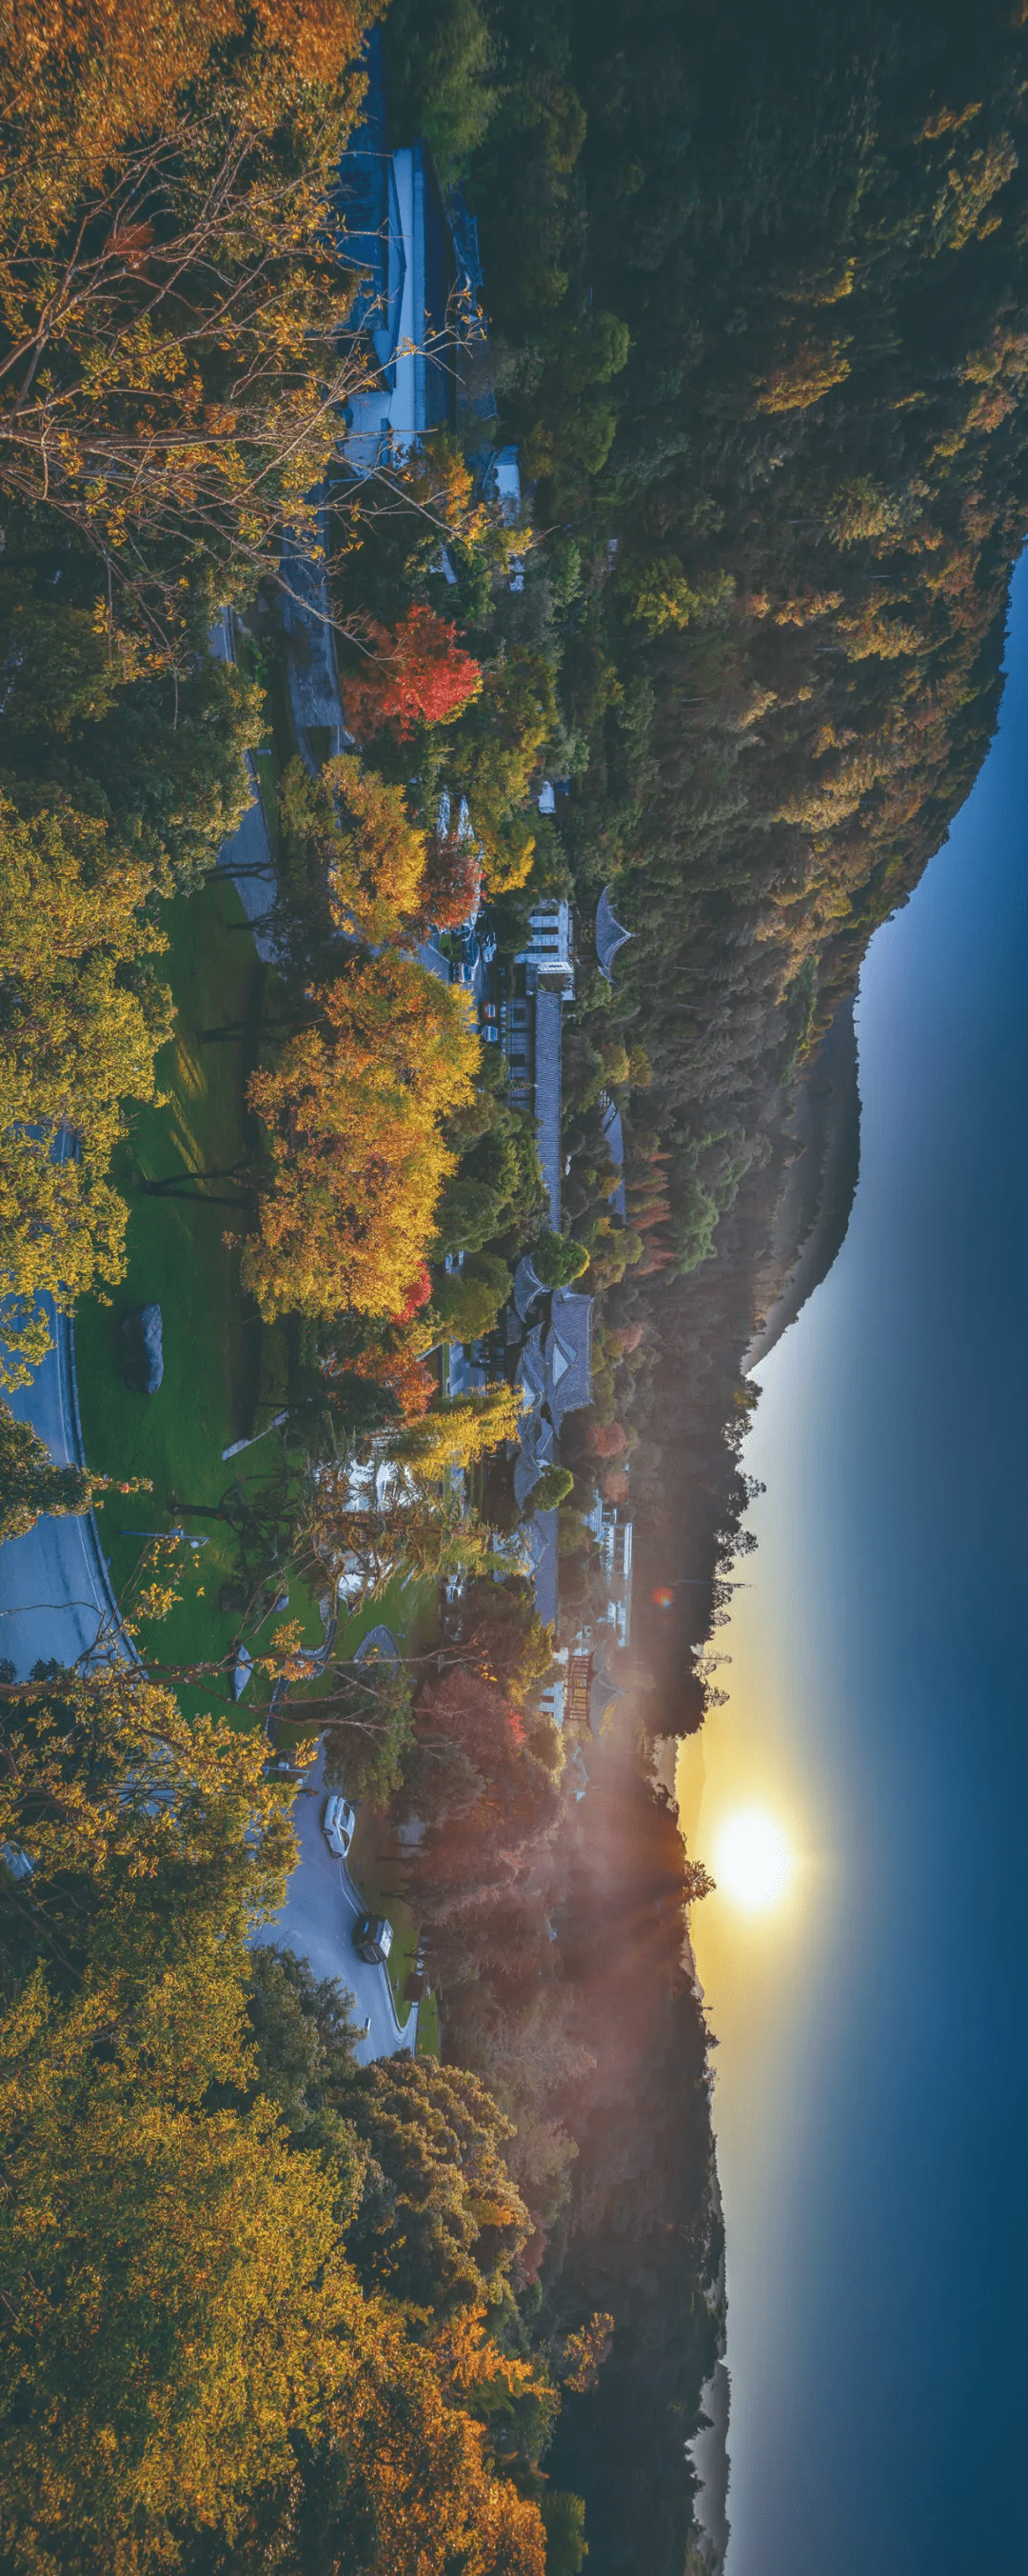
(872, 2096)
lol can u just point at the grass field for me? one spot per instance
(178, 1258)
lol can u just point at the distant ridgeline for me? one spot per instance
(800, 491)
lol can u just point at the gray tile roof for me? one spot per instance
(526, 1286)
(541, 1533)
(531, 1367)
(569, 1353)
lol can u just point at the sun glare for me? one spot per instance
(753, 1861)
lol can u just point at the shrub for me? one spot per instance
(553, 1488)
(557, 1259)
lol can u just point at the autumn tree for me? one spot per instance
(155, 1848)
(173, 2291)
(397, 1503)
(404, 2478)
(354, 1109)
(453, 879)
(458, 1434)
(445, 2226)
(116, 788)
(496, 1631)
(357, 832)
(394, 1361)
(82, 1021)
(474, 1712)
(30, 1483)
(170, 358)
(416, 674)
(363, 1540)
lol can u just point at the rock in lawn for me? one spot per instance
(142, 1351)
(242, 1673)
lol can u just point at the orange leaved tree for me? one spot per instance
(453, 880)
(354, 1107)
(418, 674)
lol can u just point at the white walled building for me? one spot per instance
(549, 948)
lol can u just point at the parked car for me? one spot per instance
(338, 1822)
(373, 1939)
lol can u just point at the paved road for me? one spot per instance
(55, 1597)
(317, 1922)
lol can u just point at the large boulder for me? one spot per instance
(142, 1350)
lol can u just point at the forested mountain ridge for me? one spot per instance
(760, 296)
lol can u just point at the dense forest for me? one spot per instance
(758, 284)
(755, 316)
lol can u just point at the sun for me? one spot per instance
(753, 1859)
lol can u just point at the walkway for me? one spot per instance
(248, 857)
(56, 1600)
(321, 1908)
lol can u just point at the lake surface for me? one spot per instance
(872, 2088)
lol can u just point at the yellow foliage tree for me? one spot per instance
(359, 833)
(461, 1434)
(661, 596)
(355, 1108)
(176, 2289)
(75, 1040)
(805, 378)
(415, 2472)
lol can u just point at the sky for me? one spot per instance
(871, 2101)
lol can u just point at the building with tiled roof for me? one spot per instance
(569, 1353)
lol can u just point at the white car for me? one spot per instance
(338, 1822)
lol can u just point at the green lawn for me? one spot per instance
(178, 1258)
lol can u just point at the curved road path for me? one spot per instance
(56, 1601)
(321, 1908)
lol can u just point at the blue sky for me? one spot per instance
(872, 2093)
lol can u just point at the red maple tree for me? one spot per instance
(415, 674)
(453, 881)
